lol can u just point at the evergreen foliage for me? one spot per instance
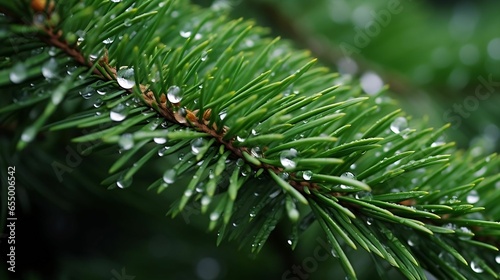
(252, 128)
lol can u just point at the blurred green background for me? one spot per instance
(441, 60)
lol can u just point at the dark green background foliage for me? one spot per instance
(441, 62)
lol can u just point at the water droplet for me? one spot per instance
(481, 172)
(160, 140)
(126, 141)
(125, 78)
(439, 142)
(185, 34)
(252, 214)
(188, 193)
(119, 112)
(169, 176)
(214, 216)
(275, 194)
(412, 240)
(284, 175)
(98, 103)
(334, 253)
(162, 151)
(223, 114)
(245, 170)
(18, 73)
(371, 83)
(122, 183)
(363, 195)
(287, 158)
(467, 233)
(108, 41)
(101, 91)
(307, 175)
(256, 152)
(174, 94)
(197, 145)
(204, 56)
(447, 257)
(475, 267)
(369, 221)
(127, 22)
(473, 197)
(49, 68)
(205, 200)
(199, 187)
(28, 134)
(116, 1)
(399, 124)
(497, 259)
(240, 162)
(87, 92)
(348, 175)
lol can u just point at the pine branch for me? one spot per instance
(253, 130)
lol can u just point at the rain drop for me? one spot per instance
(101, 92)
(98, 102)
(174, 94)
(240, 139)
(160, 140)
(108, 41)
(204, 56)
(188, 193)
(348, 175)
(473, 197)
(475, 267)
(205, 200)
(223, 114)
(125, 78)
(122, 183)
(371, 83)
(126, 141)
(307, 175)
(214, 216)
(439, 142)
(185, 34)
(287, 158)
(87, 92)
(169, 176)
(162, 151)
(256, 152)
(399, 124)
(118, 113)
(481, 172)
(197, 145)
(49, 68)
(497, 259)
(18, 73)
(363, 195)
(28, 134)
